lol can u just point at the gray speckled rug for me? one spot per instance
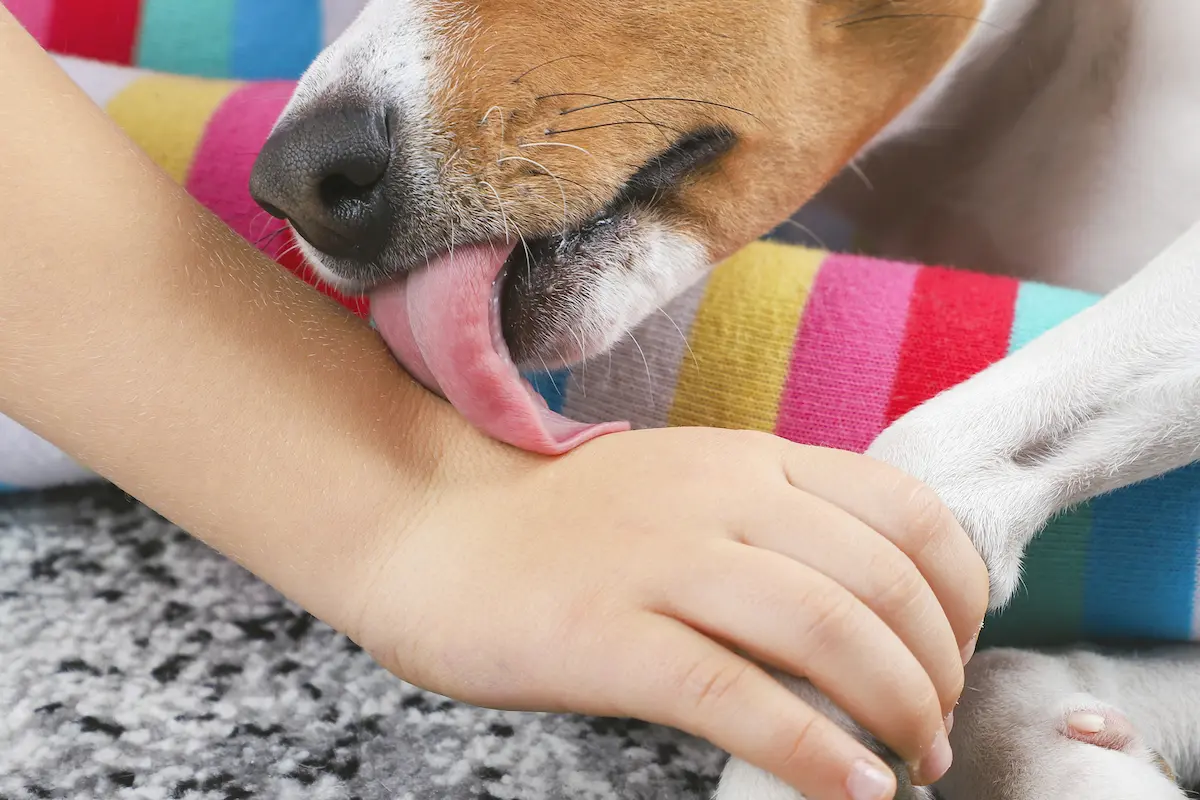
(137, 663)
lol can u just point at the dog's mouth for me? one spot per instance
(444, 325)
(456, 323)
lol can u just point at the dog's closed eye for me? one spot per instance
(670, 168)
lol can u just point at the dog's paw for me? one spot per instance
(971, 458)
(740, 781)
(1024, 730)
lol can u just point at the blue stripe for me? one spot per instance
(1040, 308)
(1141, 570)
(4, 487)
(552, 386)
(190, 38)
(275, 39)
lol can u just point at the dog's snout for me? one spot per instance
(324, 171)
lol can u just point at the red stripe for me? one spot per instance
(287, 254)
(958, 324)
(105, 30)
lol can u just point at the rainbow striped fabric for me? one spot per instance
(822, 349)
(247, 39)
(828, 349)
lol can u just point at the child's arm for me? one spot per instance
(142, 337)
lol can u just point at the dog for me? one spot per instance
(544, 175)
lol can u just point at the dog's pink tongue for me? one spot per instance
(443, 325)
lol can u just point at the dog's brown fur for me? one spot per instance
(813, 82)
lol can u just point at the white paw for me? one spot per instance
(1025, 730)
(974, 461)
(740, 781)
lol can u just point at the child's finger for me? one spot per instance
(789, 616)
(700, 687)
(875, 571)
(911, 516)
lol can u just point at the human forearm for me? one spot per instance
(143, 337)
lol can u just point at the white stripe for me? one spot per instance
(637, 383)
(29, 462)
(337, 15)
(101, 82)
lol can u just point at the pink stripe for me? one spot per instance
(845, 356)
(35, 15)
(220, 174)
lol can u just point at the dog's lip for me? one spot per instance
(443, 324)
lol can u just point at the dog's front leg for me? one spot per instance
(1107, 399)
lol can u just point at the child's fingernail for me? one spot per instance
(936, 761)
(968, 650)
(949, 723)
(868, 782)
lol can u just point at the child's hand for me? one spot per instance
(625, 579)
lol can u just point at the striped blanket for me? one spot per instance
(820, 348)
(250, 39)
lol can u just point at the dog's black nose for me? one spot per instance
(324, 171)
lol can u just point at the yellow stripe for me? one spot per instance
(742, 338)
(167, 115)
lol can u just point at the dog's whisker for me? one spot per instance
(800, 226)
(904, 16)
(682, 335)
(561, 189)
(659, 125)
(854, 167)
(658, 100)
(489, 112)
(561, 178)
(525, 247)
(557, 144)
(646, 364)
(267, 238)
(579, 338)
(862, 12)
(445, 165)
(531, 70)
(631, 107)
(500, 203)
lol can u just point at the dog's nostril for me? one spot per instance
(341, 192)
(365, 170)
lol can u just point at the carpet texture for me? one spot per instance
(137, 663)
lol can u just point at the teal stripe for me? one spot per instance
(1123, 567)
(1049, 609)
(187, 37)
(552, 386)
(1040, 308)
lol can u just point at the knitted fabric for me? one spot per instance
(247, 39)
(820, 348)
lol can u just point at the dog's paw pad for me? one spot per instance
(1101, 727)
